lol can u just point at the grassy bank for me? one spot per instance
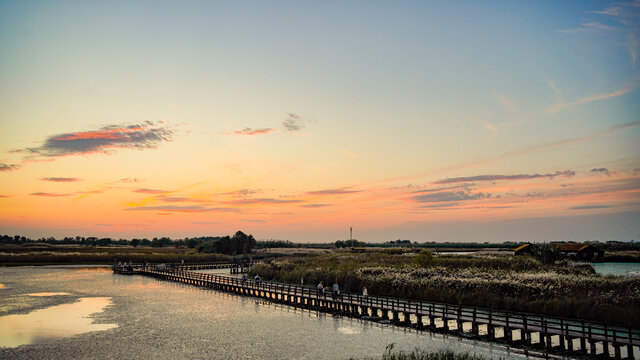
(13, 255)
(421, 354)
(563, 289)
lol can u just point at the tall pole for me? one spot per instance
(350, 233)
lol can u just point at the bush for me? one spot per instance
(424, 258)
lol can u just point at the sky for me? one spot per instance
(294, 120)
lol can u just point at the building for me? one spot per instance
(586, 252)
(524, 249)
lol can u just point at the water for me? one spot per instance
(621, 269)
(118, 316)
(52, 323)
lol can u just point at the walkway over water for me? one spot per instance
(552, 335)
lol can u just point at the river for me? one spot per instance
(79, 312)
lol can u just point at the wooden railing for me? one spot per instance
(527, 322)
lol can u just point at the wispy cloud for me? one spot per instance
(314, 205)
(590, 26)
(179, 199)
(150, 191)
(604, 171)
(60, 179)
(243, 192)
(567, 173)
(553, 87)
(44, 194)
(627, 88)
(294, 122)
(448, 196)
(628, 15)
(261, 201)
(8, 167)
(177, 208)
(250, 131)
(108, 139)
(3, 196)
(439, 189)
(129, 180)
(339, 191)
(588, 207)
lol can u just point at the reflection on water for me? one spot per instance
(53, 322)
(349, 330)
(163, 319)
(48, 294)
(1, 286)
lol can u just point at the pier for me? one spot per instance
(523, 330)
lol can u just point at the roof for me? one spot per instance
(576, 247)
(521, 247)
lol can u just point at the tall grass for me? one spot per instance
(421, 354)
(508, 283)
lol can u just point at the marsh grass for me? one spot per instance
(61, 254)
(563, 289)
(421, 354)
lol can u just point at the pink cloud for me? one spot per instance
(250, 131)
(60, 179)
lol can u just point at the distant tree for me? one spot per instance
(135, 242)
(192, 243)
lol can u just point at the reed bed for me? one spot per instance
(564, 289)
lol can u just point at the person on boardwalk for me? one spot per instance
(336, 290)
(244, 278)
(257, 278)
(365, 294)
(320, 288)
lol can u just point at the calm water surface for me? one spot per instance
(622, 269)
(96, 314)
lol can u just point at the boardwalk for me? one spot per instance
(555, 335)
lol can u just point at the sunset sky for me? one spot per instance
(427, 121)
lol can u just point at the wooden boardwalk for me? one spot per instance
(234, 268)
(553, 335)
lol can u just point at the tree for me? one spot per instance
(135, 242)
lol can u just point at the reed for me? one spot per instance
(563, 289)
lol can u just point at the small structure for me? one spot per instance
(524, 249)
(358, 249)
(580, 251)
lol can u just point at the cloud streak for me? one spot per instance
(108, 139)
(340, 191)
(590, 26)
(564, 106)
(588, 207)
(60, 179)
(449, 196)
(150, 191)
(8, 167)
(315, 205)
(45, 194)
(567, 173)
(177, 208)
(604, 171)
(250, 131)
(261, 201)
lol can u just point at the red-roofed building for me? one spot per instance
(580, 251)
